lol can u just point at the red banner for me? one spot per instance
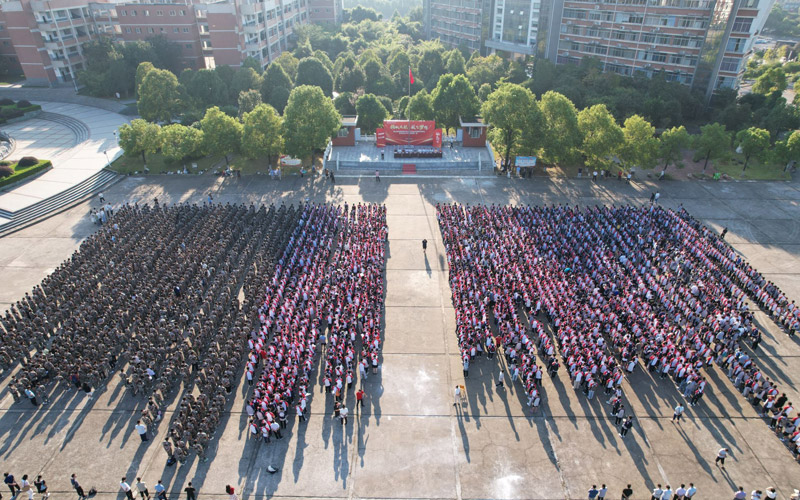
(410, 133)
(380, 138)
(437, 138)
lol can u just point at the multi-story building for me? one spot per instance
(702, 43)
(326, 11)
(46, 35)
(457, 22)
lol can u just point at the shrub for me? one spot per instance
(28, 161)
(6, 102)
(8, 113)
(5, 162)
(24, 104)
(5, 171)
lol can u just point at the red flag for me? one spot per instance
(410, 76)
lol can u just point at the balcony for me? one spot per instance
(253, 27)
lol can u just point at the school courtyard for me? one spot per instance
(409, 441)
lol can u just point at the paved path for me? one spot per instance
(62, 95)
(78, 139)
(410, 442)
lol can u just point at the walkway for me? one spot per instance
(80, 141)
(62, 95)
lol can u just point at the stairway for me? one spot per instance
(77, 127)
(57, 203)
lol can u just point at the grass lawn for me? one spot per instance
(756, 170)
(159, 165)
(23, 172)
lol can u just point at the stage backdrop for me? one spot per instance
(412, 133)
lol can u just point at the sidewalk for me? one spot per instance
(63, 95)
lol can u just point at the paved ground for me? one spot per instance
(74, 158)
(410, 442)
(62, 95)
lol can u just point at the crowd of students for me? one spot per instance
(326, 295)
(616, 285)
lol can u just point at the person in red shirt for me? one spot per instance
(359, 398)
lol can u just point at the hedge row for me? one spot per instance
(23, 172)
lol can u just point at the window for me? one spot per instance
(343, 132)
(182, 12)
(185, 30)
(133, 12)
(176, 30)
(188, 45)
(475, 132)
(736, 45)
(159, 12)
(124, 12)
(659, 57)
(750, 4)
(127, 30)
(730, 64)
(172, 13)
(742, 25)
(146, 13)
(138, 30)
(150, 30)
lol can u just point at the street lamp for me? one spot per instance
(108, 162)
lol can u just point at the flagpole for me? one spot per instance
(408, 116)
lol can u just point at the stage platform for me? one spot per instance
(366, 156)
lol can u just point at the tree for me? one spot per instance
(640, 147)
(793, 145)
(159, 96)
(454, 97)
(431, 66)
(251, 62)
(399, 63)
(310, 71)
(753, 142)
(246, 79)
(278, 99)
(484, 91)
(261, 134)
(455, 63)
(772, 81)
(511, 109)
(562, 136)
(179, 142)
(602, 137)
(274, 77)
(420, 106)
(141, 72)
(248, 100)
(713, 142)
(488, 69)
(351, 78)
(289, 64)
(222, 134)
(140, 137)
(371, 113)
(672, 143)
(207, 89)
(309, 121)
(345, 103)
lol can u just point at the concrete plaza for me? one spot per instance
(409, 441)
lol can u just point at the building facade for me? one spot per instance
(45, 36)
(326, 11)
(702, 43)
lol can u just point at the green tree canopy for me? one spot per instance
(278, 99)
(222, 134)
(640, 148)
(350, 78)
(289, 64)
(246, 79)
(488, 69)
(455, 64)
(772, 81)
(274, 77)
(753, 142)
(345, 103)
(159, 96)
(454, 97)
(420, 106)
(310, 71)
(140, 137)
(511, 109)
(602, 137)
(141, 72)
(431, 66)
(672, 143)
(562, 136)
(309, 121)
(261, 135)
(207, 89)
(248, 100)
(180, 142)
(371, 113)
(713, 142)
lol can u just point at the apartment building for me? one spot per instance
(326, 11)
(702, 43)
(45, 36)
